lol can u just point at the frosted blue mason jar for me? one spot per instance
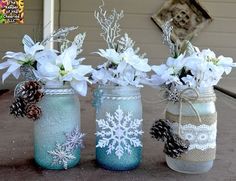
(57, 137)
(201, 133)
(118, 127)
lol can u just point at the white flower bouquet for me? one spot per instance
(189, 67)
(50, 66)
(124, 66)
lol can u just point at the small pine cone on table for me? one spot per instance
(18, 107)
(33, 111)
(31, 92)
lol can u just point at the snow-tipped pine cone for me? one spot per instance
(18, 107)
(33, 111)
(31, 92)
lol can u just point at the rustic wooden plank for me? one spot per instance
(33, 17)
(131, 6)
(222, 25)
(86, 19)
(210, 39)
(220, 9)
(215, 8)
(33, 5)
(13, 31)
(218, 1)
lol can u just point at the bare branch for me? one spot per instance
(109, 25)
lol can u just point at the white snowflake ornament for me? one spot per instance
(74, 139)
(63, 153)
(61, 156)
(119, 132)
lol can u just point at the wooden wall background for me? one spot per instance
(219, 36)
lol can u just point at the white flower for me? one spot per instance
(16, 60)
(175, 64)
(190, 81)
(140, 64)
(226, 63)
(168, 73)
(110, 54)
(64, 67)
(102, 75)
(127, 68)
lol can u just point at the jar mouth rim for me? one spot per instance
(118, 87)
(59, 91)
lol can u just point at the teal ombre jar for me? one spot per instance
(57, 137)
(200, 133)
(118, 126)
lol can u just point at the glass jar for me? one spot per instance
(200, 132)
(118, 127)
(57, 137)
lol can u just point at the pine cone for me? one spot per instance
(18, 107)
(31, 92)
(161, 129)
(175, 146)
(33, 111)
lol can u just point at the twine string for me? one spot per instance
(185, 97)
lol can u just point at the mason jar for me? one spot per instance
(57, 137)
(118, 127)
(201, 132)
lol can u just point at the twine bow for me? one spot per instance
(184, 96)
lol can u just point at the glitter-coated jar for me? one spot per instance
(201, 133)
(118, 127)
(57, 133)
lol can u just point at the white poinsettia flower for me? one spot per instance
(157, 78)
(226, 63)
(16, 59)
(207, 54)
(64, 67)
(168, 73)
(189, 81)
(102, 75)
(140, 64)
(124, 68)
(195, 64)
(110, 55)
(160, 69)
(176, 64)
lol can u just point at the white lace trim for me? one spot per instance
(201, 137)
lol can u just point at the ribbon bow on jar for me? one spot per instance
(187, 95)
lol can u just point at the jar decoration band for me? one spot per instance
(202, 136)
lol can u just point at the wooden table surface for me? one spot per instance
(16, 148)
